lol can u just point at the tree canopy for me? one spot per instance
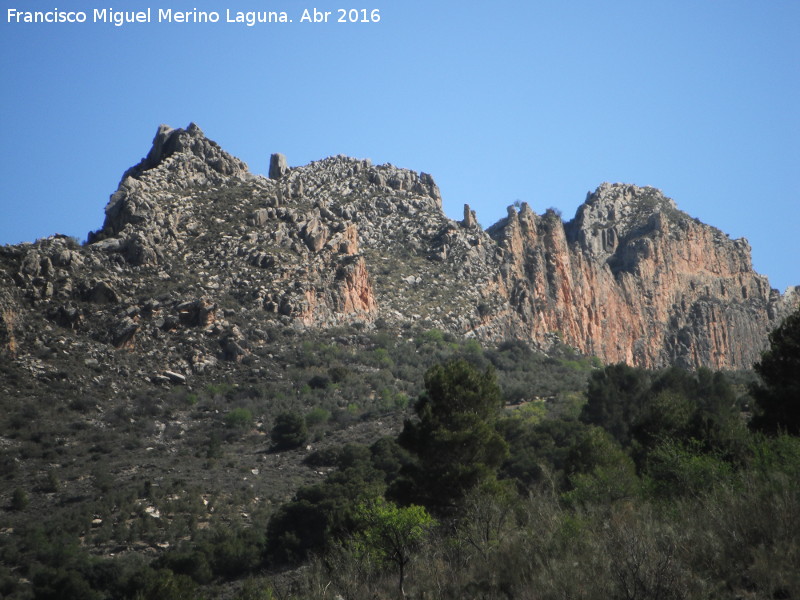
(778, 395)
(454, 441)
(391, 533)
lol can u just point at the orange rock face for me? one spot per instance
(343, 294)
(8, 341)
(632, 279)
(349, 243)
(355, 291)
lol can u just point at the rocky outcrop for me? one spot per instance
(633, 279)
(197, 254)
(278, 167)
(190, 142)
(179, 159)
(470, 220)
(355, 294)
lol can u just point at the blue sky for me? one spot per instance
(536, 101)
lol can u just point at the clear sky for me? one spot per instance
(539, 101)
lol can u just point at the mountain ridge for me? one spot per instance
(192, 232)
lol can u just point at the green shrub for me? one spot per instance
(220, 389)
(600, 471)
(290, 431)
(62, 584)
(50, 483)
(317, 416)
(163, 584)
(19, 499)
(433, 336)
(677, 468)
(239, 418)
(319, 382)
(323, 513)
(255, 589)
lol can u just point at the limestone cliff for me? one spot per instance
(631, 278)
(190, 231)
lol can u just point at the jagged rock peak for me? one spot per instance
(179, 159)
(192, 141)
(625, 192)
(615, 212)
(626, 204)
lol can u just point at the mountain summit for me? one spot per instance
(192, 237)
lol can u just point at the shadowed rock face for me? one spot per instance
(341, 241)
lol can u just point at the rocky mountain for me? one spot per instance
(199, 260)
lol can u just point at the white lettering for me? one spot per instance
(315, 16)
(51, 16)
(121, 17)
(189, 16)
(250, 18)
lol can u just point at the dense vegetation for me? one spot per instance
(513, 475)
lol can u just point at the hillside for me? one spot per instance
(226, 342)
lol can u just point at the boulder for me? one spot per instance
(315, 234)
